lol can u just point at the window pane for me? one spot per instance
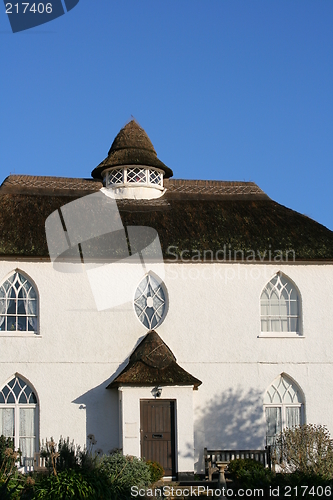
(284, 325)
(293, 308)
(5, 391)
(293, 416)
(140, 302)
(273, 423)
(155, 177)
(264, 309)
(11, 323)
(116, 177)
(24, 396)
(275, 325)
(31, 307)
(7, 422)
(12, 383)
(283, 307)
(275, 309)
(17, 387)
(11, 398)
(265, 325)
(27, 422)
(294, 324)
(136, 175)
(158, 303)
(27, 447)
(9, 281)
(3, 306)
(21, 324)
(150, 313)
(33, 398)
(32, 324)
(21, 306)
(11, 307)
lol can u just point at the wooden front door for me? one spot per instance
(157, 419)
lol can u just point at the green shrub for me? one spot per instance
(249, 473)
(122, 472)
(10, 480)
(239, 465)
(5, 443)
(156, 471)
(67, 455)
(24, 487)
(306, 449)
(302, 485)
(68, 483)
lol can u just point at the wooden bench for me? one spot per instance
(212, 457)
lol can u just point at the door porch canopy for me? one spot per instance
(152, 363)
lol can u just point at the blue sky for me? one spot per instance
(225, 89)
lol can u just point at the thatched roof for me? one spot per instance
(193, 215)
(131, 146)
(152, 363)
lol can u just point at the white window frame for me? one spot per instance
(17, 406)
(269, 317)
(130, 183)
(283, 405)
(23, 333)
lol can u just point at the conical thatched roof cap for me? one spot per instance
(131, 146)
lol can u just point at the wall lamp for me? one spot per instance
(156, 392)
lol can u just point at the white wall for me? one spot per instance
(212, 327)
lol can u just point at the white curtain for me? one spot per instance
(3, 309)
(3, 295)
(293, 416)
(273, 423)
(27, 433)
(7, 422)
(30, 304)
(30, 308)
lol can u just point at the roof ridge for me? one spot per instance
(57, 177)
(207, 182)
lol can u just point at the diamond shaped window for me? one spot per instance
(116, 177)
(136, 175)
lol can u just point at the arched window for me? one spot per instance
(280, 305)
(284, 407)
(18, 417)
(18, 305)
(150, 302)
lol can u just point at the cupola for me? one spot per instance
(132, 169)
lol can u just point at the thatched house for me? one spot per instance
(160, 315)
